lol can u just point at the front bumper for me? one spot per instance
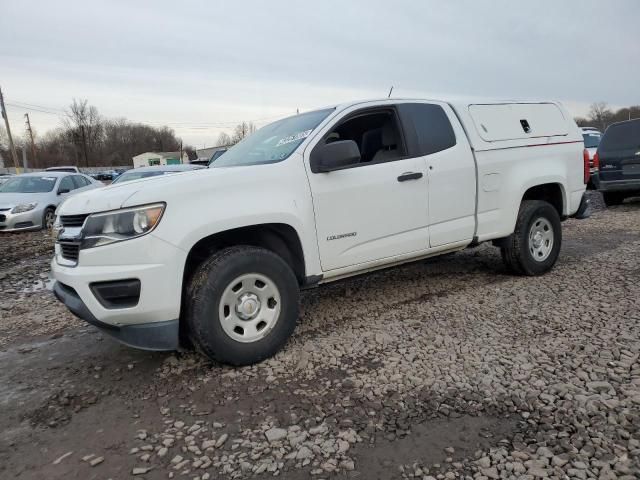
(17, 222)
(151, 322)
(148, 336)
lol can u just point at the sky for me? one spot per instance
(200, 67)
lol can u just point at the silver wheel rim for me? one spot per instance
(249, 307)
(49, 218)
(541, 239)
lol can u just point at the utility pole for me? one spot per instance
(33, 145)
(25, 164)
(12, 147)
(181, 151)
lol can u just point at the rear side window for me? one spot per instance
(621, 136)
(80, 181)
(429, 126)
(66, 184)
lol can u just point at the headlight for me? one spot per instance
(25, 207)
(118, 225)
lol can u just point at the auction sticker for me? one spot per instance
(293, 138)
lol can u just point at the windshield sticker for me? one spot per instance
(293, 138)
(51, 179)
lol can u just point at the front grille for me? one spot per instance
(3, 218)
(73, 220)
(70, 251)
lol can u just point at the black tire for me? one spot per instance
(203, 304)
(49, 214)
(516, 250)
(613, 198)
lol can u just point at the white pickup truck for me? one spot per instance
(216, 258)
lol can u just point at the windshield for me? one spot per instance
(28, 185)
(127, 177)
(272, 143)
(591, 140)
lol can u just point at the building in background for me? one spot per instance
(148, 159)
(205, 154)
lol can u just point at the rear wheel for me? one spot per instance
(613, 198)
(242, 305)
(534, 246)
(48, 218)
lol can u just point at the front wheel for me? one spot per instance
(535, 244)
(242, 305)
(48, 218)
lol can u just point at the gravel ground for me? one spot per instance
(447, 369)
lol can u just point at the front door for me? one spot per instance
(376, 208)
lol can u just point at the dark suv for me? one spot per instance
(618, 157)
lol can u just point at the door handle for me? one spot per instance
(409, 176)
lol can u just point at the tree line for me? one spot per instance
(600, 115)
(87, 139)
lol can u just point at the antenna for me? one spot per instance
(390, 90)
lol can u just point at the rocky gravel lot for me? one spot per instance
(446, 369)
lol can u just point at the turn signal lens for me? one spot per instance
(587, 172)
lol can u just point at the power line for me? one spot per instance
(22, 107)
(195, 125)
(39, 106)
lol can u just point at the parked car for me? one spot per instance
(155, 171)
(70, 169)
(106, 175)
(618, 158)
(4, 177)
(204, 163)
(592, 137)
(29, 201)
(219, 257)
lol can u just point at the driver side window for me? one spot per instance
(376, 132)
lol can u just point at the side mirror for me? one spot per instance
(334, 156)
(63, 190)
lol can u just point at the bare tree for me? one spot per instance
(600, 115)
(84, 127)
(241, 131)
(224, 139)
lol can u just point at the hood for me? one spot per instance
(10, 199)
(96, 200)
(146, 190)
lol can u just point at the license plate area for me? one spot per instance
(631, 169)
